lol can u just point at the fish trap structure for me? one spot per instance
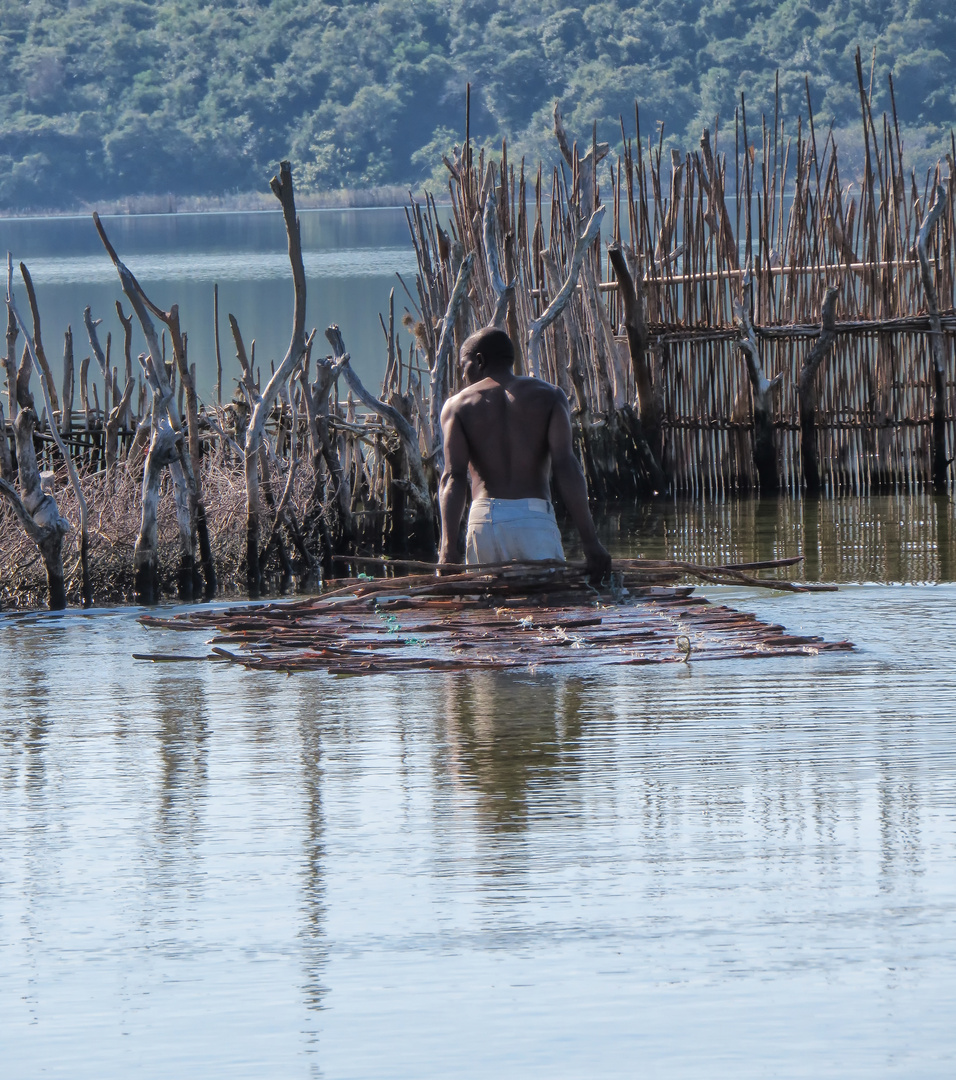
(516, 617)
(764, 316)
(755, 323)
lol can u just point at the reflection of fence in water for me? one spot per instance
(904, 537)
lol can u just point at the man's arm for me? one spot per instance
(453, 486)
(573, 488)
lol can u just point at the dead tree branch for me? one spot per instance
(649, 399)
(806, 391)
(163, 451)
(557, 305)
(439, 371)
(10, 364)
(939, 461)
(141, 306)
(417, 483)
(39, 356)
(282, 189)
(762, 390)
(504, 293)
(52, 553)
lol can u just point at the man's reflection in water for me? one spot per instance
(515, 739)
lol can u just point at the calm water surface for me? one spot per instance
(741, 869)
(351, 260)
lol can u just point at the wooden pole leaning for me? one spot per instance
(939, 463)
(282, 189)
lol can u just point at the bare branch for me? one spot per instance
(504, 293)
(30, 527)
(54, 432)
(446, 342)
(38, 353)
(560, 133)
(404, 430)
(282, 189)
(142, 306)
(91, 324)
(10, 360)
(557, 305)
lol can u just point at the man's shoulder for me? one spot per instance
(521, 388)
(530, 384)
(457, 402)
(462, 397)
(531, 389)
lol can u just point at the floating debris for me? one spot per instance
(515, 616)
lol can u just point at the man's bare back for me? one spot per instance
(508, 434)
(504, 422)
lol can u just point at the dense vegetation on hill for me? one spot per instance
(105, 98)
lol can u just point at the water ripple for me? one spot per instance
(225, 266)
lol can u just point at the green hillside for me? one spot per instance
(107, 98)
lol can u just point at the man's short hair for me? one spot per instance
(493, 344)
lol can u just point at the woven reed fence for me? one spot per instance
(751, 228)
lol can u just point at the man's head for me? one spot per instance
(486, 352)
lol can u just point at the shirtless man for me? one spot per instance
(509, 435)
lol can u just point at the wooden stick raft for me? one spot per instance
(519, 616)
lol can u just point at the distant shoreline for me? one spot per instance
(248, 202)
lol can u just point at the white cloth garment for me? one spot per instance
(512, 530)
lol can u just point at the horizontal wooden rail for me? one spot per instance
(730, 274)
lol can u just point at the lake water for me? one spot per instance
(739, 870)
(351, 260)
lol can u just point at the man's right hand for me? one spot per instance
(599, 562)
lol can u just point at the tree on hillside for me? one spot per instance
(106, 98)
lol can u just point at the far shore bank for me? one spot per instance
(247, 202)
